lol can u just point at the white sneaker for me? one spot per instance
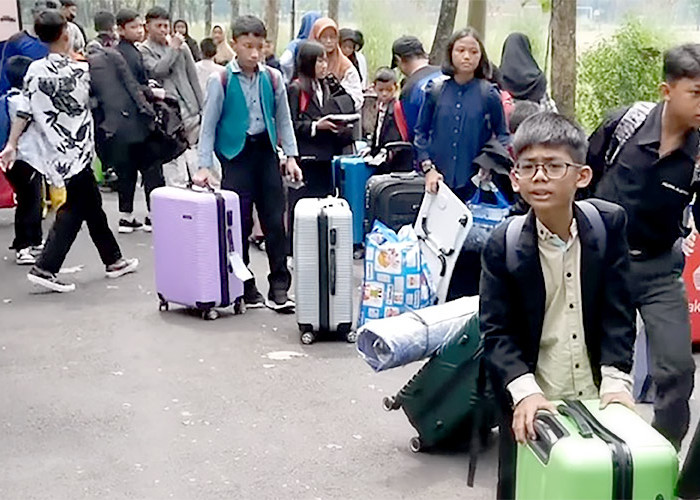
(24, 257)
(122, 267)
(48, 280)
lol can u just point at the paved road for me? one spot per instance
(105, 397)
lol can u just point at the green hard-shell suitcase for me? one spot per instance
(449, 396)
(584, 453)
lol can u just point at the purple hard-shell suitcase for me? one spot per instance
(194, 234)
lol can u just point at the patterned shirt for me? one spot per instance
(57, 104)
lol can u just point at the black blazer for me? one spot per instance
(388, 133)
(512, 304)
(123, 114)
(325, 144)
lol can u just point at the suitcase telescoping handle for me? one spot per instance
(191, 185)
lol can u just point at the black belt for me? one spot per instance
(257, 138)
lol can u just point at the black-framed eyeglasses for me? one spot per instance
(552, 170)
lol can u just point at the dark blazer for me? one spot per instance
(388, 133)
(325, 144)
(398, 159)
(134, 59)
(123, 114)
(512, 304)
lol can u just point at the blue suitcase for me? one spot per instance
(350, 176)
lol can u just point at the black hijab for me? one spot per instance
(191, 42)
(521, 75)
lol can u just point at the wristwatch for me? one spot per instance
(426, 166)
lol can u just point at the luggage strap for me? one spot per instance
(401, 123)
(623, 467)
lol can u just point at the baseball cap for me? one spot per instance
(406, 46)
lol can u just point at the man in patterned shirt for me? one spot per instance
(55, 113)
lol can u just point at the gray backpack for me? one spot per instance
(633, 118)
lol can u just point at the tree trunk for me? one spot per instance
(333, 8)
(181, 9)
(564, 55)
(477, 16)
(272, 19)
(171, 9)
(445, 26)
(293, 19)
(235, 10)
(207, 16)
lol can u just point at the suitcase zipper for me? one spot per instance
(323, 266)
(623, 468)
(223, 254)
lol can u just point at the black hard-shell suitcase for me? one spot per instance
(394, 199)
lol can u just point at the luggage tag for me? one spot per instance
(239, 268)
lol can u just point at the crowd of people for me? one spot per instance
(558, 323)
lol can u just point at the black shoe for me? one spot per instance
(48, 280)
(147, 226)
(279, 301)
(251, 296)
(129, 226)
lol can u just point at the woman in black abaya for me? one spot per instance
(520, 74)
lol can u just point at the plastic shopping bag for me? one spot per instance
(486, 217)
(396, 276)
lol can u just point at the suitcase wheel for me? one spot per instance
(239, 306)
(308, 338)
(210, 314)
(415, 444)
(390, 403)
(163, 306)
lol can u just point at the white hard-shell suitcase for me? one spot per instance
(442, 225)
(323, 277)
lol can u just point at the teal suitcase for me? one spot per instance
(449, 396)
(585, 453)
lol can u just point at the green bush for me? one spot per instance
(381, 25)
(619, 71)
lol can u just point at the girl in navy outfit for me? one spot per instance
(459, 116)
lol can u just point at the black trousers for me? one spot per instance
(133, 158)
(658, 292)
(83, 204)
(255, 175)
(27, 185)
(318, 183)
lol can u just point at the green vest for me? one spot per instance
(233, 124)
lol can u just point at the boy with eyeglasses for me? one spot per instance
(556, 311)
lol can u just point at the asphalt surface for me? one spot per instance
(103, 396)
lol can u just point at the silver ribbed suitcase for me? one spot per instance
(323, 267)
